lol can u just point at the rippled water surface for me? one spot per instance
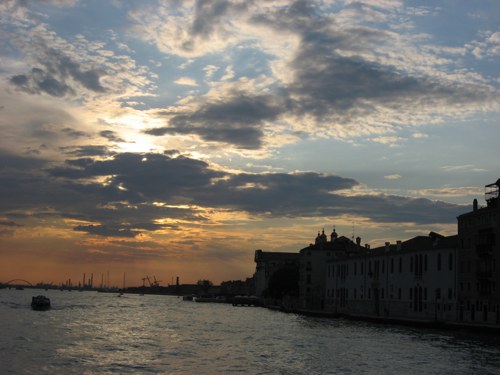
(89, 332)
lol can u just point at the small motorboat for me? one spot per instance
(40, 303)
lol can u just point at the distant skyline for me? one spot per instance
(174, 138)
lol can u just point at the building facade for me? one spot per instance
(454, 279)
(312, 271)
(414, 279)
(266, 264)
(479, 254)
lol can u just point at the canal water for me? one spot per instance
(101, 333)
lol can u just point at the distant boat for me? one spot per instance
(40, 303)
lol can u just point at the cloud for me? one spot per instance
(6, 223)
(186, 81)
(57, 73)
(189, 29)
(72, 68)
(331, 82)
(238, 120)
(73, 133)
(38, 81)
(132, 193)
(103, 230)
(392, 177)
(462, 168)
(86, 150)
(111, 136)
(10, 161)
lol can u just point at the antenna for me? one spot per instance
(352, 231)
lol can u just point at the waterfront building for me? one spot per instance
(453, 279)
(479, 254)
(413, 279)
(267, 264)
(312, 269)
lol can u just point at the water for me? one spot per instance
(89, 332)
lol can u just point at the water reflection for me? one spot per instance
(91, 332)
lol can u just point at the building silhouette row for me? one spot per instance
(451, 279)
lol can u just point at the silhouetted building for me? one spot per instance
(413, 279)
(267, 263)
(478, 274)
(238, 287)
(312, 271)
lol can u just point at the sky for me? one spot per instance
(174, 138)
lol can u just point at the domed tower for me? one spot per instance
(323, 236)
(334, 235)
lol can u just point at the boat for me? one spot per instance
(40, 303)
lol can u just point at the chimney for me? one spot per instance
(387, 244)
(474, 204)
(398, 245)
(358, 243)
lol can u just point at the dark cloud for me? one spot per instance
(275, 194)
(5, 223)
(20, 163)
(328, 79)
(86, 151)
(106, 231)
(38, 81)
(239, 120)
(56, 74)
(134, 184)
(73, 133)
(153, 176)
(111, 136)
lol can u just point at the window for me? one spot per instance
(399, 293)
(411, 264)
(439, 262)
(309, 279)
(355, 269)
(400, 264)
(450, 293)
(425, 263)
(450, 261)
(392, 265)
(362, 266)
